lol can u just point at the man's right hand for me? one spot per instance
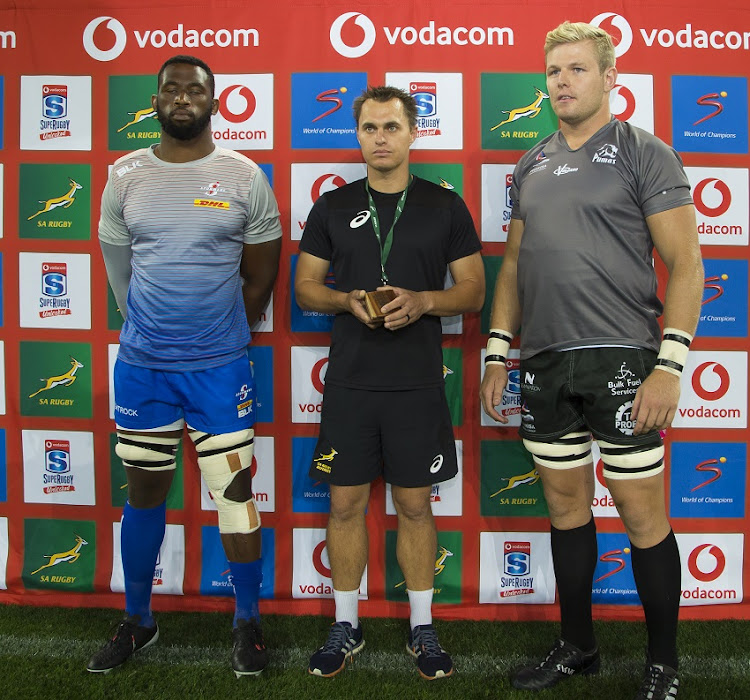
(491, 391)
(355, 303)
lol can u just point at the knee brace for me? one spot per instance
(632, 461)
(569, 451)
(224, 461)
(153, 452)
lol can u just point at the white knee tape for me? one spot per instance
(221, 458)
(632, 461)
(153, 452)
(569, 451)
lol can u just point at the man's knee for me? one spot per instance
(412, 503)
(225, 461)
(348, 503)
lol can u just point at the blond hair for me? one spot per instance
(571, 32)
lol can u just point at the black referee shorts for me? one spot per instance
(405, 436)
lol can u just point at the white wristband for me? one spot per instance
(498, 346)
(673, 352)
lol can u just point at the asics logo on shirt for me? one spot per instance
(362, 217)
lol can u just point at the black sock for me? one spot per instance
(657, 577)
(574, 555)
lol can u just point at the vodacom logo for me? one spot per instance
(720, 372)
(719, 190)
(720, 563)
(234, 95)
(114, 26)
(623, 102)
(317, 559)
(609, 21)
(326, 183)
(317, 376)
(364, 23)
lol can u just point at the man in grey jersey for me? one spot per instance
(590, 203)
(191, 239)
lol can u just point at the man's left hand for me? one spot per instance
(655, 402)
(405, 309)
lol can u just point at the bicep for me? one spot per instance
(467, 268)
(260, 260)
(311, 268)
(675, 234)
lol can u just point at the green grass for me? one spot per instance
(43, 653)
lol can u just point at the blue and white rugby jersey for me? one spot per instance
(186, 224)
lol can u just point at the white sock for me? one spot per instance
(347, 606)
(420, 607)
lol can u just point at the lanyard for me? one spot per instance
(385, 249)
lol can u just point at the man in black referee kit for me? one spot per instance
(384, 406)
(590, 203)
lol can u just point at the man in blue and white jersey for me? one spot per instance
(191, 239)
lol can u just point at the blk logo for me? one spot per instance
(712, 285)
(317, 376)
(616, 26)
(237, 103)
(709, 566)
(331, 96)
(54, 101)
(325, 183)
(717, 190)
(699, 381)
(517, 558)
(623, 103)
(613, 557)
(709, 466)
(711, 100)
(358, 41)
(320, 560)
(92, 47)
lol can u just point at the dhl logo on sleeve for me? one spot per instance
(210, 204)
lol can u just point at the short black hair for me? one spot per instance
(386, 93)
(191, 61)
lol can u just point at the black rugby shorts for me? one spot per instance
(585, 389)
(405, 436)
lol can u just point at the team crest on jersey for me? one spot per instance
(606, 154)
(212, 189)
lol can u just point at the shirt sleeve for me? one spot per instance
(464, 240)
(662, 182)
(112, 228)
(263, 213)
(315, 238)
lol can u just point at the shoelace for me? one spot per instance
(338, 639)
(658, 681)
(552, 657)
(428, 641)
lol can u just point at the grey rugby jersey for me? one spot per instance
(585, 267)
(186, 224)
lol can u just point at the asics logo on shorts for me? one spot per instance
(436, 465)
(362, 217)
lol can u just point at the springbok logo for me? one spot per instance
(64, 201)
(328, 457)
(531, 110)
(59, 380)
(139, 116)
(528, 479)
(439, 563)
(68, 556)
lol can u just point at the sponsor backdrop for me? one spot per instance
(75, 91)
